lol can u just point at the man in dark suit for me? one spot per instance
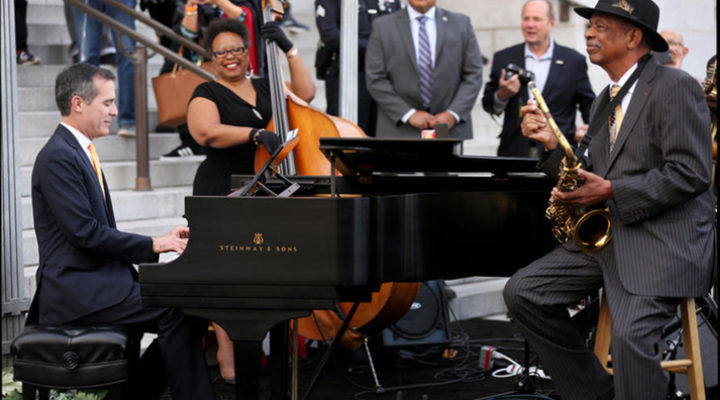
(560, 75)
(423, 67)
(650, 163)
(85, 274)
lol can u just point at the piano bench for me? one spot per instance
(73, 357)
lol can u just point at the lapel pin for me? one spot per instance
(444, 19)
(559, 62)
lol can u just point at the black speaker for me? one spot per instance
(425, 323)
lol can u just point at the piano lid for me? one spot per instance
(366, 156)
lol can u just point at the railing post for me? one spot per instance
(348, 101)
(15, 300)
(142, 182)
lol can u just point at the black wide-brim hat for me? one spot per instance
(641, 13)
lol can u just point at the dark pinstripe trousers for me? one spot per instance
(537, 297)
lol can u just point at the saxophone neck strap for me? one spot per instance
(602, 116)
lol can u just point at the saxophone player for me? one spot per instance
(649, 160)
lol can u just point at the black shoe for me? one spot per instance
(108, 59)
(185, 152)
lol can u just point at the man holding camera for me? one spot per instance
(559, 73)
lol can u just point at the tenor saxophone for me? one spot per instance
(710, 89)
(589, 229)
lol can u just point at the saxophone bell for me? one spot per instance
(592, 230)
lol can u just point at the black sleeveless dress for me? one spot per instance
(213, 174)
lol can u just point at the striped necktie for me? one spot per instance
(424, 62)
(96, 166)
(616, 118)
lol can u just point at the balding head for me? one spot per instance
(548, 4)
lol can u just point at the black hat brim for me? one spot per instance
(657, 42)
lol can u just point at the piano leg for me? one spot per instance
(247, 355)
(279, 349)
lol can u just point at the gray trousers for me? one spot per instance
(537, 297)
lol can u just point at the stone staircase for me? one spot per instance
(171, 180)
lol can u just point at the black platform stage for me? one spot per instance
(413, 373)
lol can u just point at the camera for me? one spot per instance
(523, 75)
(663, 57)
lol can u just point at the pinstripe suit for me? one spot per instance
(662, 247)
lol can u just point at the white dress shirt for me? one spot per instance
(431, 29)
(82, 139)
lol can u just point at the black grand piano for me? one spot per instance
(401, 210)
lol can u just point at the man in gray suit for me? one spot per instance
(423, 67)
(652, 169)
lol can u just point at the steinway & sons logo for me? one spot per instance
(257, 244)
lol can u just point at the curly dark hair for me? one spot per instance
(226, 25)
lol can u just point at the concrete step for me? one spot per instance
(121, 175)
(40, 34)
(113, 147)
(42, 75)
(43, 123)
(37, 123)
(131, 205)
(476, 297)
(51, 53)
(46, 12)
(43, 99)
(36, 99)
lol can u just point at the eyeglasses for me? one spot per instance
(674, 43)
(236, 52)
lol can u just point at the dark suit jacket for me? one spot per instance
(662, 212)
(85, 262)
(566, 90)
(392, 75)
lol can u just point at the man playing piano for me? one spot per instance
(653, 172)
(85, 274)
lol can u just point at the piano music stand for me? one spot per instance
(272, 164)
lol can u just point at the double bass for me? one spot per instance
(290, 112)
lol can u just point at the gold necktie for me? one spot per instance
(616, 118)
(96, 166)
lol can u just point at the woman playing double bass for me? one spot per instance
(228, 116)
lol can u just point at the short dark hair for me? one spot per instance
(226, 25)
(77, 80)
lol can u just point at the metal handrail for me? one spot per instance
(158, 48)
(142, 181)
(159, 28)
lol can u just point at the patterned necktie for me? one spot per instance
(96, 166)
(424, 62)
(616, 118)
